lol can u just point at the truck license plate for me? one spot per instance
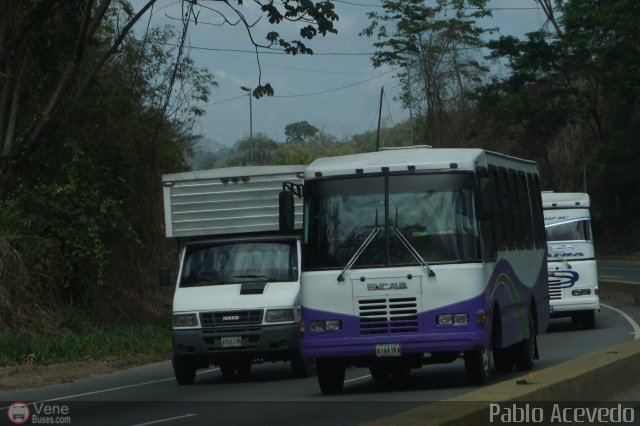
(389, 349)
(231, 341)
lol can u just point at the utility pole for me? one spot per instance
(248, 89)
(410, 103)
(379, 115)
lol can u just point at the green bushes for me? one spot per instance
(150, 338)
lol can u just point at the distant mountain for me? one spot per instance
(205, 151)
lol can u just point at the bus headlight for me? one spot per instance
(460, 319)
(328, 325)
(333, 325)
(184, 320)
(279, 315)
(445, 319)
(453, 319)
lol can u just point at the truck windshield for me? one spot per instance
(239, 262)
(434, 212)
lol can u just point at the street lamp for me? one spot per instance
(248, 89)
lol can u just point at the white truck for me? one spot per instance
(236, 299)
(573, 274)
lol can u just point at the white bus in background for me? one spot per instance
(573, 275)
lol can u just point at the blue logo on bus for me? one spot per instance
(563, 279)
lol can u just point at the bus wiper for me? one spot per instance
(413, 252)
(565, 261)
(375, 231)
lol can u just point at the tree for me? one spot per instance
(61, 46)
(435, 48)
(300, 131)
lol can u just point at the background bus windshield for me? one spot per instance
(434, 212)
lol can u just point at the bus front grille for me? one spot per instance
(388, 315)
(555, 288)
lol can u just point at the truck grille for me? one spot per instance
(230, 318)
(392, 315)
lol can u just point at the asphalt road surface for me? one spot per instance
(149, 395)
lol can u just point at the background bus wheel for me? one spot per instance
(184, 372)
(330, 376)
(588, 320)
(477, 366)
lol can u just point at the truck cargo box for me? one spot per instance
(232, 200)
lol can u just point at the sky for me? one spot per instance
(336, 89)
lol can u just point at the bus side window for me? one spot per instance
(489, 227)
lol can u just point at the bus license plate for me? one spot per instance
(231, 342)
(389, 349)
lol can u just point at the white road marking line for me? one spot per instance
(358, 378)
(168, 419)
(634, 325)
(609, 277)
(60, 398)
(618, 269)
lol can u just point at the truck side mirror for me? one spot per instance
(164, 276)
(287, 211)
(486, 203)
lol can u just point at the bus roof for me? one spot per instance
(418, 158)
(564, 200)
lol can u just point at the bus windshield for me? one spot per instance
(575, 230)
(239, 262)
(434, 212)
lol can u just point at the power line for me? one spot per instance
(336, 89)
(308, 94)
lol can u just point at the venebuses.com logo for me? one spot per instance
(18, 413)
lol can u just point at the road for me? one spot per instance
(149, 395)
(619, 270)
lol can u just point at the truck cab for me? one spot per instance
(237, 293)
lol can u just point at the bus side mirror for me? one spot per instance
(486, 203)
(164, 276)
(287, 211)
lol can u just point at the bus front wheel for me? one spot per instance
(330, 376)
(477, 366)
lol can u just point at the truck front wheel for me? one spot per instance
(185, 373)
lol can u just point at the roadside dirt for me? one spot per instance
(31, 376)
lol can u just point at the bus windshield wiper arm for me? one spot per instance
(413, 252)
(559, 253)
(358, 252)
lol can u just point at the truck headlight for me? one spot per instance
(279, 315)
(185, 320)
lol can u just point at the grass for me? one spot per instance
(148, 338)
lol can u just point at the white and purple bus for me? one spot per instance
(419, 256)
